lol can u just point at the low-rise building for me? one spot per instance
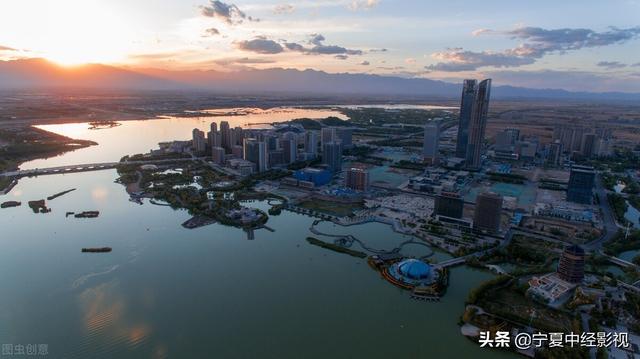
(319, 177)
(550, 288)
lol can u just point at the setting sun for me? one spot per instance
(71, 32)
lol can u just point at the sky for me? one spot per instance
(583, 45)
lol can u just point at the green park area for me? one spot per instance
(331, 208)
(504, 297)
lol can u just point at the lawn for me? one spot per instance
(511, 304)
(332, 208)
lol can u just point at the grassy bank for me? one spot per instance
(336, 248)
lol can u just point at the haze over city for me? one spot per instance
(572, 45)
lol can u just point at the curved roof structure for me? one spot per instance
(414, 269)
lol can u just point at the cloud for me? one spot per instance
(363, 4)
(389, 68)
(538, 42)
(410, 60)
(479, 32)
(243, 61)
(637, 64)
(316, 39)
(332, 49)
(212, 31)
(154, 56)
(610, 65)
(569, 80)
(319, 48)
(260, 45)
(7, 48)
(228, 13)
(572, 39)
(341, 57)
(461, 60)
(378, 50)
(284, 9)
(365, 63)
(294, 46)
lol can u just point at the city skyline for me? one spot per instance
(562, 45)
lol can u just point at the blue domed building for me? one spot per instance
(412, 272)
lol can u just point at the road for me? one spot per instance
(87, 167)
(611, 227)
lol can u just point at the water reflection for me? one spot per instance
(141, 136)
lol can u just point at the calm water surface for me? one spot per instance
(166, 291)
(133, 137)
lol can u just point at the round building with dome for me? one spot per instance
(411, 273)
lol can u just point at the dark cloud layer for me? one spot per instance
(260, 45)
(228, 13)
(538, 42)
(315, 46)
(610, 65)
(243, 61)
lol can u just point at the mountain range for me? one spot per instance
(40, 73)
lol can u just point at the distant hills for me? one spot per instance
(40, 73)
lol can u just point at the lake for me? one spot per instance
(166, 291)
(133, 137)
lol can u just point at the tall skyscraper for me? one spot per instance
(357, 178)
(345, 135)
(589, 145)
(332, 156)
(571, 265)
(477, 125)
(311, 143)
(488, 212)
(213, 127)
(506, 139)
(225, 133)
(554, 153)
(237, 136)
(449, 205)
(214, 139)
(217, 155)
(327, 135)
(571, 137)
(581, 181)
(466, 106)
(430, 142)
(198, 141)
(276, 158)
(256, 151)
(290, 149)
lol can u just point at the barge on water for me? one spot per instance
(87, 214)
(96, 250)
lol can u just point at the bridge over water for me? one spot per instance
(87, 167)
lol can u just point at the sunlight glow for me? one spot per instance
(72, 32)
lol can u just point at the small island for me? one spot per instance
(9, 204)
(207, 193)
